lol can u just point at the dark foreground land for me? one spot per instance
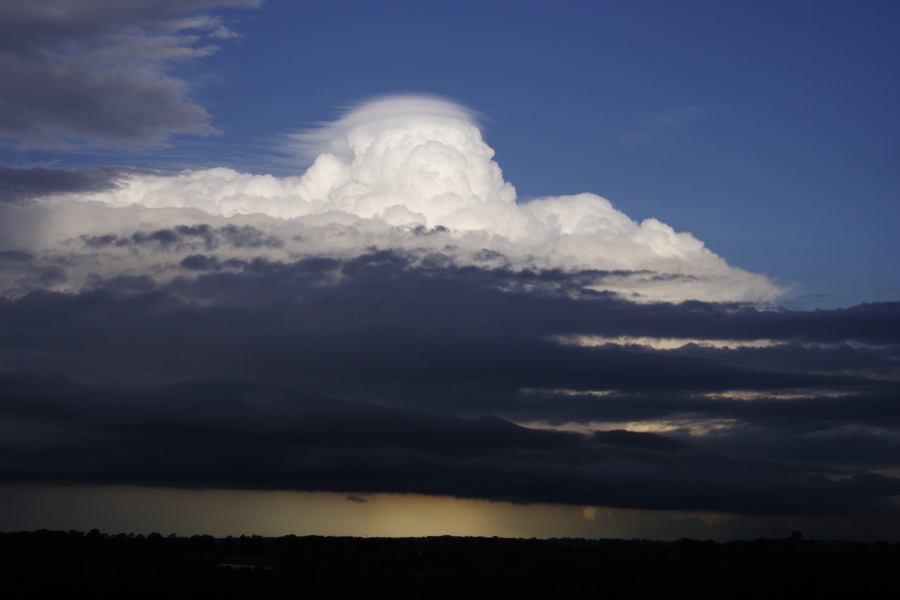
(66, 563)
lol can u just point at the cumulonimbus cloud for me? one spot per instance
(412, 173)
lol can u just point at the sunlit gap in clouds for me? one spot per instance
(687, 425)
(660, 343)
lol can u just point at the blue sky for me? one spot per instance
(768, 129)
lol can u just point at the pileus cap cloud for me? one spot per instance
(394, 167)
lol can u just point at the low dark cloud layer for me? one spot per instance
(214, 435)
(395, 373)
(98, 70)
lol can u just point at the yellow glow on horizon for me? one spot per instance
(115, 509)
(124, 509)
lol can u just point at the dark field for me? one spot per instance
(143, 566)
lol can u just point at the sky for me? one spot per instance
(596, 269)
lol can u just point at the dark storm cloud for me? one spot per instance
(388, 373)
(18, 184)
(376, 322)
(262, 438)
(23, 271)
(383, 323)
(435, 289)
(438, 288)
(97, 69)
(188, 236)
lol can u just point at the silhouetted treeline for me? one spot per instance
(42, 562)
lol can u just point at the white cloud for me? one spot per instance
(395, 168)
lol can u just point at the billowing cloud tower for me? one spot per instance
(413, 174)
